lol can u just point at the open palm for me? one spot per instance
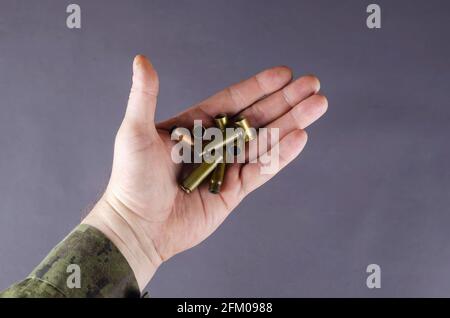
(144, 188)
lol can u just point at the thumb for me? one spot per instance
(143, 95)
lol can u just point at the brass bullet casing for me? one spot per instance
(243, 123)
(216, 181)
(221, 121)
(199, 174)
(207, 166)
(245, 132)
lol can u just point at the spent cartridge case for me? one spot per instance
(199, 174)
(216, 181)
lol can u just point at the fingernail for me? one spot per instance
(137, 62)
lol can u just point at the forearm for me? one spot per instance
(110, 259)
(102, 271)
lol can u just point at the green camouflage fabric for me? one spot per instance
(103, 270)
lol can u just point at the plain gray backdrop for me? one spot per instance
(371, 186)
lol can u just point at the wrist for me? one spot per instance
(110, 218)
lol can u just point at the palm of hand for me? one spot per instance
(145, 179)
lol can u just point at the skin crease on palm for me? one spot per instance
(143, 210)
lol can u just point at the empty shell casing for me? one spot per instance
(199, 174)
(216, 181)
(218, 174)
(245, 132)
(243, 123)
(211, 149)
(221, 121)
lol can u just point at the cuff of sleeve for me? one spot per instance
(87, 264)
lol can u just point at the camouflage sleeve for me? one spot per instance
(84, 264)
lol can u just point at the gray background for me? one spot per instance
(370, 187)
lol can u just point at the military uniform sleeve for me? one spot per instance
(85, 264)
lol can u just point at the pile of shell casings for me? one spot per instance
(215, 167)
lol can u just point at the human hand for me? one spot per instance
(144, 211)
